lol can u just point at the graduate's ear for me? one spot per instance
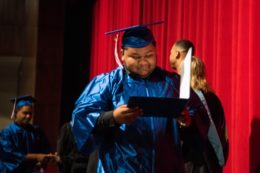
(178, 55)
(122, 54)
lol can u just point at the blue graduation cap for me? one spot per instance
(136, 36)
(21, 101)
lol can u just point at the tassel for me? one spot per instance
(116, 52)
(12, 115)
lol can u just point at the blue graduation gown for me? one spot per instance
(149, 144)
(17, 141)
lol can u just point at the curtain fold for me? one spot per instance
(226, 36)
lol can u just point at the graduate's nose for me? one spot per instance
(143, 61)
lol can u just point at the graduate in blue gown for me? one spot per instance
(126, 140)
(24, 148)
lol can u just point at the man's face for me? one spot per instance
(140, 61)
(174, 59)
(177, 56)
(24, 115)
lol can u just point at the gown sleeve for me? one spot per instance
(93, 102)
(10, 157)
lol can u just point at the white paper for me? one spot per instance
(185, 76)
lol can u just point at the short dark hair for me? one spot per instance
(185, 45)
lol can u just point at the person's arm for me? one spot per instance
(92, 103)
(112, 119)
(184, 119)
(105, 120)
(41, 160)
(92, 112)
(39, 157)
(10, 157)
(200, 119)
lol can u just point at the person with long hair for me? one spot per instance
(200, 155)
(216, 149)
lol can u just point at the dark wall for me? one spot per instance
(18, 42)
(77, 40)
(64, 29)
(50, 48)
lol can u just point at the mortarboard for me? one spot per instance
(136, 36)
(21, 101)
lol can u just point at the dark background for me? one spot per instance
(49, 43)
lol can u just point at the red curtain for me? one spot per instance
(225, 33)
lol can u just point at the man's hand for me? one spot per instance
(124, 114)
(184, 119)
